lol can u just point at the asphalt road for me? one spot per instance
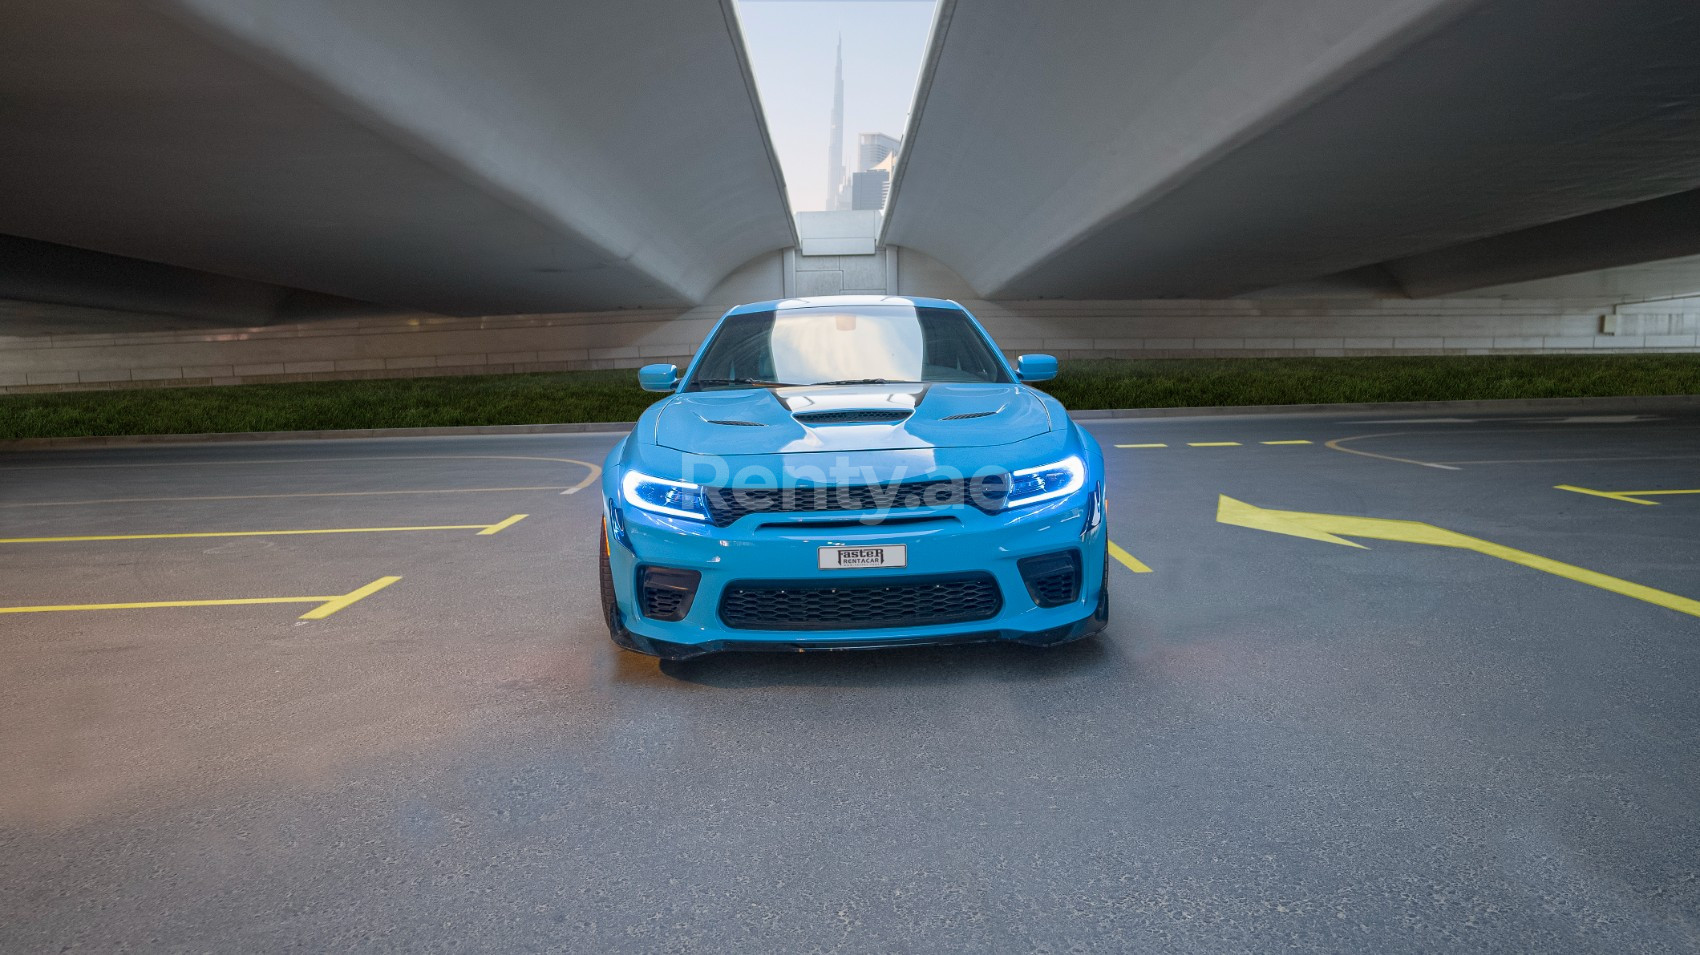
(1281, 743)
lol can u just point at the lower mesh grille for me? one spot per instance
(1056, 589)
(862, 605)
(667, 593)
(1052, 579)
(662, 604)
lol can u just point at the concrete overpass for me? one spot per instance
(461, 158)
(589, 183)
(1107, 150)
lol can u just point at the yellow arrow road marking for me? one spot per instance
(1628, 497)
(480, 528)
(1128, 560)
(329, 605)
(1329, 527)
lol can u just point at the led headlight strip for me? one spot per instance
(1048, 481)
(663, 496)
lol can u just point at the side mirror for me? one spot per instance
(662, 377)
(1036, 368)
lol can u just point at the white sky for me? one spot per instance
(791, 45)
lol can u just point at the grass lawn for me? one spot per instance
(589, 396)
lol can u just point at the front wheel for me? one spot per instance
(1102, 614)
(610, 607)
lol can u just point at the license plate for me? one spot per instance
(845, 558)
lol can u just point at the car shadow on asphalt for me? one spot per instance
(901, 666)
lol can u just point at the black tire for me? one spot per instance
(1104, 593)
(610, 609)
(1102, 614)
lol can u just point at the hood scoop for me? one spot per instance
(863, 416)
(964, 416)
(733, 422)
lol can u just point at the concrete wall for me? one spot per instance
(436, 345)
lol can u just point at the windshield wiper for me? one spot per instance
(867, 381)
(753, 382)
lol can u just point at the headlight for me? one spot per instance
(661, 496)
(1032, 485)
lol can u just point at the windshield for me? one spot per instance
(863, 344)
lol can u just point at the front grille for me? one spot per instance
(1052, 579)
(870, 416)
(726, 505)
(866, 604)
(667, 593)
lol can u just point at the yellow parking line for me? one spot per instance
(257, 497)
(1128, 560)
(329, 605)
(498, 528)
(352, 597)
(1213, 444)
(1628, 497)
(480, 528)
(1141, 445)
(1284, 442)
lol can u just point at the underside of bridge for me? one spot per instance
(185, 165)
(460, 158)
(1111, 150)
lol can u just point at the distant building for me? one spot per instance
(835, 181)
(875, 148)
(870, 184)
(869, 189)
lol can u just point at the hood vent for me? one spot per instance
(964, 416)
(869, 416)
(737, 424)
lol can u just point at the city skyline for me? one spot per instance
(793, 50)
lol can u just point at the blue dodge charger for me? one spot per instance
(846, 472)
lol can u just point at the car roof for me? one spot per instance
(839, 301)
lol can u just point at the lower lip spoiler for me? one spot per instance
(667, 650)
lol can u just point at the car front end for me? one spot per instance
(853, 515)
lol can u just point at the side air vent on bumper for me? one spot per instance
(666, 593)
(864, 604)
(1052, 579)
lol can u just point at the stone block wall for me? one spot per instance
(412, 346)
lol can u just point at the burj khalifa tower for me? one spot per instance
(835, 146)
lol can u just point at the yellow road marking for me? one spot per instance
(1630, 497)
(595, 470)
(1213, 444)
(329, 605)
(1141, 445)
(498, 528)
(480, 528)
(1327, 527)
(1128, 560)
(257, 497)
(352, 597)
(1339, 444)
(1285, 442)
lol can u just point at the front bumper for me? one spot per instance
(941, 542)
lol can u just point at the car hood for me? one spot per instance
(850, 418)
